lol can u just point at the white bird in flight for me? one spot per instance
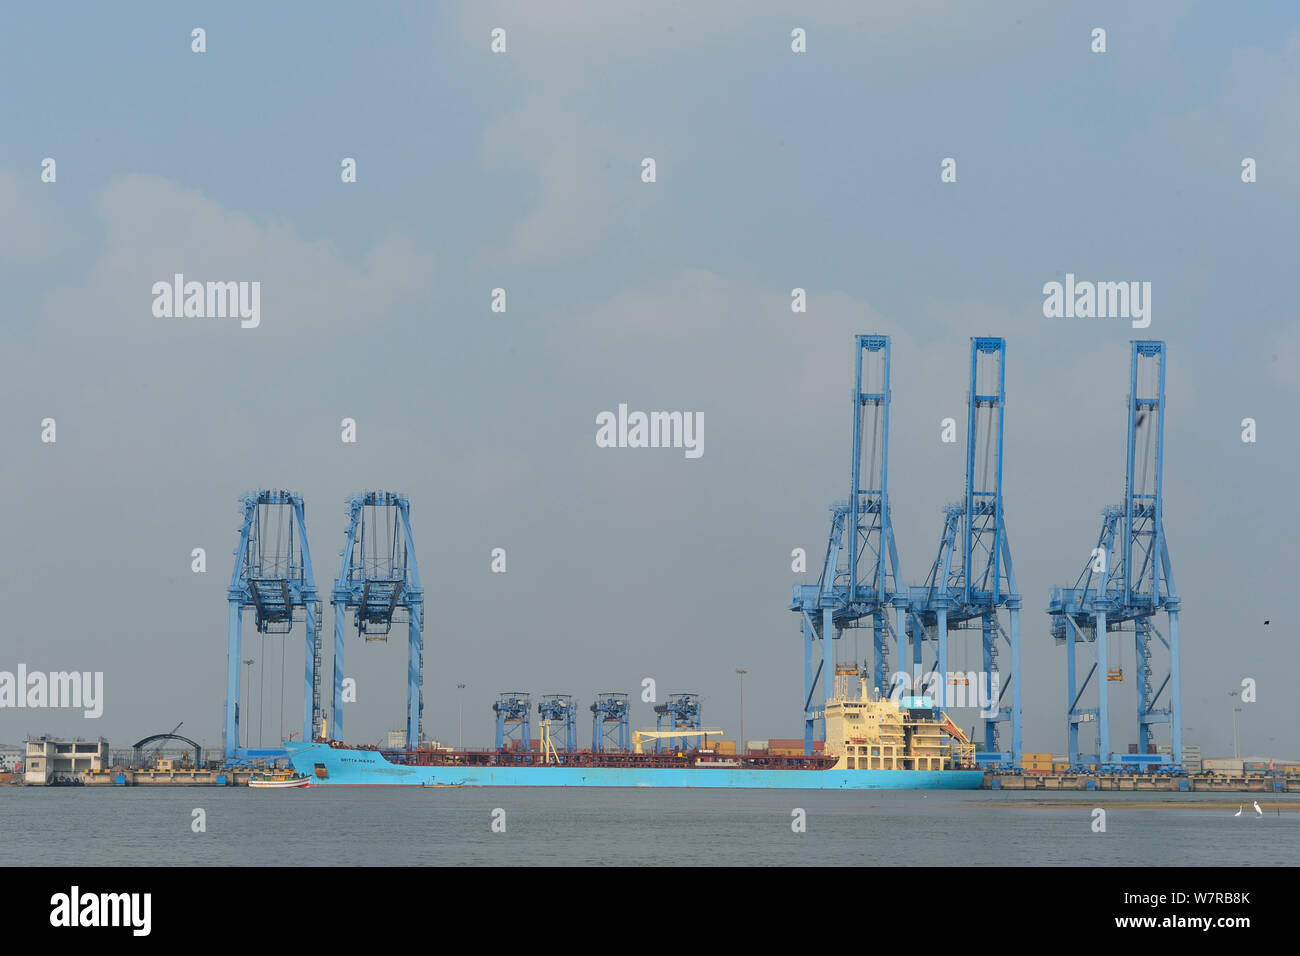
(1257, 809)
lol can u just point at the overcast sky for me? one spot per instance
(522, 170)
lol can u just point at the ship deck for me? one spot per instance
(524, 758)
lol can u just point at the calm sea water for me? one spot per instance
(320, 826)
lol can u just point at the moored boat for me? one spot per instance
(278, 779)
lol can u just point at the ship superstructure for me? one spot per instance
(863, 733)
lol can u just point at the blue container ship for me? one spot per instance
(871, 744)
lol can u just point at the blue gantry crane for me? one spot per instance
(273, 576)
(559, 710)
(379, 581)
(859, 582)
(680, 712)
(972, 579)
(1127, 578)
(513, 710)
(610, 722)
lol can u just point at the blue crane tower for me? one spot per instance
(682, 712)
(379, 581)
(1127, 578)
(858, 586)
(559, 710)
(972, 578)
(610, 719)
(273, 576)
(513, 710)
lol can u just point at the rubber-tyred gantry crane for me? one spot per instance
(559, 712)
(609, 722)
(681, 712)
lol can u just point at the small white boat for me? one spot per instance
(278, 779)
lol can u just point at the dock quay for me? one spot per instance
(1208, 783)
(222, 777)
(1202, 783)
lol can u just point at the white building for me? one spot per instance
(11, 756)
(48, 760)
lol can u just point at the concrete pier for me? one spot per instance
(167, 778)
(1289, 783)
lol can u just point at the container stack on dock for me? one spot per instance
(1037, 763)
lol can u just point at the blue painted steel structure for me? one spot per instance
(1128, 577)
(610, 722)
(972, 578)
(273, 576)
(379, 581)
(859, 582)
(559, 709)
(681, 712)
(513, 711)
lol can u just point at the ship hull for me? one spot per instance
(278, 784)
(343, 767)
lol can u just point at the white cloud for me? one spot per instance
(29, 230)
(588, 177)
(597, 85)
(154, 228)
(1252, 115)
